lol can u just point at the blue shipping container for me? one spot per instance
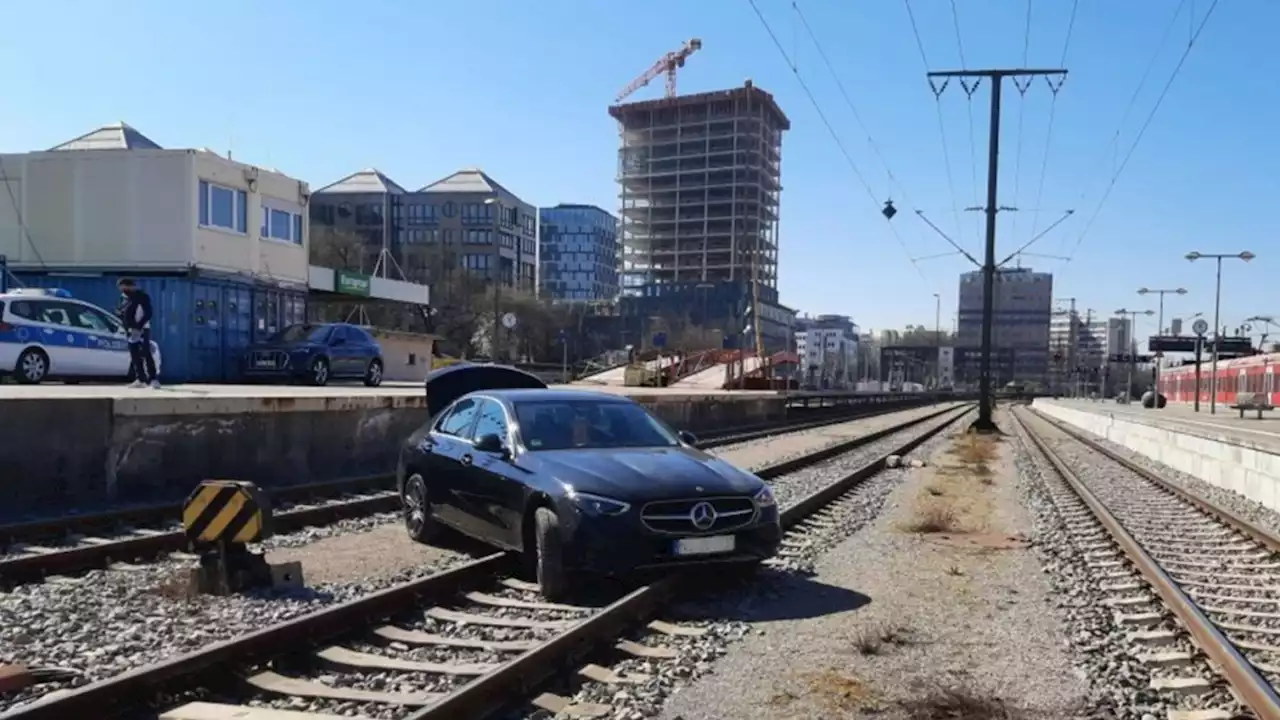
(201, 323)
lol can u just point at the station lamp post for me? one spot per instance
(1160, 331)
(1217, 307)
(1133, 344)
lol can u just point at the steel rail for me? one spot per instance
(1257, 532)
(483, 696)
(51, 527)
(26, 568)
(1251, 687)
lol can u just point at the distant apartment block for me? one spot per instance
(465, 221)
(579, 253)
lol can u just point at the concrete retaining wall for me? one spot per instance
(58, 455)
(1218, 460)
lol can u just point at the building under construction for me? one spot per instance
(700, 178)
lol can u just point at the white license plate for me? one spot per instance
(265, 363)
(704, 545)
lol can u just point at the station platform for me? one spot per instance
(1237, 454)
(71, 447)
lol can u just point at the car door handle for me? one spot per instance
(466, 459)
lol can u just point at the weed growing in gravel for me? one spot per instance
(958, 704)
(933, 518)
(872, 640)
(955, 571)
(935, 491)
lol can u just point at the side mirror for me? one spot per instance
(491, 444)
(688, 438)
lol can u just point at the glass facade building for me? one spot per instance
(579, 253)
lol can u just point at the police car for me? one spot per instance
(46, 333)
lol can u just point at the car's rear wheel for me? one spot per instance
(319, 372)
(548, 560)
(417, 510)
(373, 376)
(33, 367)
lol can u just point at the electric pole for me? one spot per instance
(1022, 79)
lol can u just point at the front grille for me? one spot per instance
(268, 360)
(675, 517)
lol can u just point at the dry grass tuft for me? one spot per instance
(872, 640)
(955, 571)
(934, 518)
(935, 491)
(958, 704)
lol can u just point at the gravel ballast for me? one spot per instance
(144, 618)
(890, 615)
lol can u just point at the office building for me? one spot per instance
(828, 348)
(1021, 320)
(578, 253)
(466, 220)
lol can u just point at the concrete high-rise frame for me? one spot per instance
(700, 178)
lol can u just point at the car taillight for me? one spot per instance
(5, 327)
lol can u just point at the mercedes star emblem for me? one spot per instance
(703, 515)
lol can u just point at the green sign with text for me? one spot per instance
(350, 283)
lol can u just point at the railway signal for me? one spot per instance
(220, 519)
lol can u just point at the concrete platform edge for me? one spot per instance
(1223, 462)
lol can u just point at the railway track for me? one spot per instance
(31, 551)
(465, 643)
(1191, 581)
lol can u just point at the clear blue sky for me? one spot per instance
(322, 88)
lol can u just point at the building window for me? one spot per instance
(281, 225)
(223, 207)
(449, 209)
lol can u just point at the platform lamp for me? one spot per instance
(1159, 331)
(1217, 307)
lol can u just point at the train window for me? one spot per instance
(1242, 382)
(1269, 381)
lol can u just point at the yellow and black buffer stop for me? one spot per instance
(229, 511)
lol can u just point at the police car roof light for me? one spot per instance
(49, 292)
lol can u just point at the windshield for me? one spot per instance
(589, 424)
(301, 333)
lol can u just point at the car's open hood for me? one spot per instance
(450, 383)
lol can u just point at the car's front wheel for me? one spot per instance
(548, 551)
(418, 522)
(319, 372)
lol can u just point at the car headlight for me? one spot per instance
(597, 506)
(765, 498)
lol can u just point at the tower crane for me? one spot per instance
(667, 64)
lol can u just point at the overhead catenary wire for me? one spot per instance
(942, 129)
(1048, 136)
(1114, 140)
(1164, 92)
(1022, 113)
(857, 116)
(853, 166)
(969, 90)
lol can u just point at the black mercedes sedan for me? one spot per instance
(576, 481)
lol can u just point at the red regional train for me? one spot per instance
(1253, 374)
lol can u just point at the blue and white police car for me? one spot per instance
(47, 334)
